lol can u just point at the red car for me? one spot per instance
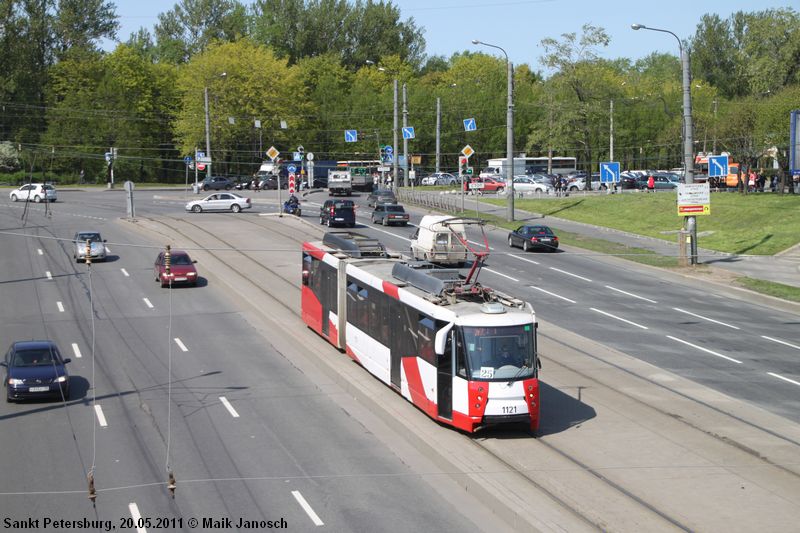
(181, 272)
(489, 184)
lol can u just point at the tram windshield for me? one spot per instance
(502, 352)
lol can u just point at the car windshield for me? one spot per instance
(180, 259)
(93, 237)
(395, 208)
(539, 230)
(343, 204)
(38, 357)
(502, 352)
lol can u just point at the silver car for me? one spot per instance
(221, 201)
(97, 247)
(36, 192)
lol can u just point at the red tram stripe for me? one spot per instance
(391, 289)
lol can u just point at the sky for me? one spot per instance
(518, 26)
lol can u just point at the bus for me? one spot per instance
(531, 165)
(463, 354)
(361, 172)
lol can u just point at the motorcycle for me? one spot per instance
(291, 208)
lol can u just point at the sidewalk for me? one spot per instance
(781, 268)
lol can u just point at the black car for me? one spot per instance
(381, 196)
(35, 369)
(217, 183)
(388, 214)
(530, 237)
(270, 182)
(338, 213)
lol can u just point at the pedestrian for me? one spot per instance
(557, 184)
(796, 183)
(651, 184)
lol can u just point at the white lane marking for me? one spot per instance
(569, 274)
(40, 251)
(181, 345)
(307, 508)
(137, 517)
(499, 273)
(478, 244)
(523, 259)
(229, 407)
(101, 418)
(147, 303)
(705, 349)
(48, 274)
(618, 318)
(392, 234)
(125, 272)
(705, 318)
(76, 350)
(60, 307)
(784, 379)
(631, 294)
(781, 342)
(552, 294)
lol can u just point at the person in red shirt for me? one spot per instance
(651, 184)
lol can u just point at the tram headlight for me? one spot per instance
(480, 389)
(530, 387)
(477, 406)
(480, 399)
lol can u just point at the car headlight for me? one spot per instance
(14, 381)
(191, 274)
(60, 379)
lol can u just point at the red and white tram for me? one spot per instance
(465, 355)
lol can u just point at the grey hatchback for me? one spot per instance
(388, 214)
(381, 196)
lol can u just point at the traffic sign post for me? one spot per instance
(469, 124)
(609, 173)
(272, 153)
(467, 151)
(350, 136)
(291, 183)
(717, 166)
(408, 132)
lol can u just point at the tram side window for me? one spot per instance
(461, 363)
(308, 268)
(426, 335)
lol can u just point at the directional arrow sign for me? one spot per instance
(469, 124)
(292, 169)
(609, 172)
(718, 166)
(408, 132)
(350, 136)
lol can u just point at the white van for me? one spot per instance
(436, 242)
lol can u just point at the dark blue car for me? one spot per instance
(35, 369)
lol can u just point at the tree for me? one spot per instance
(9, 157)
(575, 60)
(358, 31)
(191, 25)
(257, 85)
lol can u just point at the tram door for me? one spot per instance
(445, 379)
(328, 295)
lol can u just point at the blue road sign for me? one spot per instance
(350, 136)
(609, 172)
(717, 166)
(388, 157)
(469, 124)
(292, 169)
(408, 132)
(401, 160)
(188, 160)
(388, 150)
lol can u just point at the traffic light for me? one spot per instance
(462, 165)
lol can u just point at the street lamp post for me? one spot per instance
(509, 131)
(208, 123)
(688, 144)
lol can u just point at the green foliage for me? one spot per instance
(9, 157)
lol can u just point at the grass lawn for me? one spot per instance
(756, 224)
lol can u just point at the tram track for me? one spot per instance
(487, 443)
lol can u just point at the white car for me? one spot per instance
(37, 192)
(526, 184)
(221, 201)
(97, 247)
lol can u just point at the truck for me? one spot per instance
(339, 182)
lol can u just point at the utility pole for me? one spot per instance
(208, 129)
(611, 130)
(394, 144)
(714, 146)
(438, 131)
(405, 141)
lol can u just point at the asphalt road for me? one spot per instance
(178, 379)
(702, 331)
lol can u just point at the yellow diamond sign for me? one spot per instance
(272, 153)
(467, 151)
